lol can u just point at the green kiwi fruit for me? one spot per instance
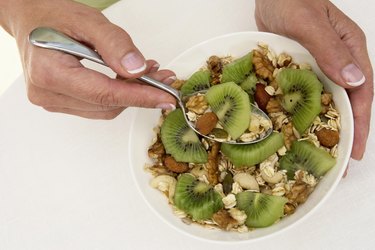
(231, 105)
(238, 70)
(249, 85)
(306, 156)
(180, 140)
(251, 154)
(301, 96)
(200, 80)
(262, 210)
(196, 198)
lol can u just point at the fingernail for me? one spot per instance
(170, 80)
(166, 106)
(353, 75)
(133, 63)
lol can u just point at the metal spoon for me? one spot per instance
(51, 39)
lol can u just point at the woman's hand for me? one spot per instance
(338, 45)
(59, 83)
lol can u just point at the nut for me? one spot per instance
(246, 181)
(166, 184)
(199, 171)
(328, 137)
(177, 84)
(216, 68)
(175, 166)
(206, 123)
(263, 66)
(326, 98)
(274, 105)
(299, 192)
(289, 136)
(272, 179)
(156, 151)
(224, 220)
(284, 60)
(197, 104)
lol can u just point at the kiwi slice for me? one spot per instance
(251, 154)
(301, 96)
(238, 70)
(249, 85)
(231, 105)
(200, 80)
(196, 198)
(306, 156)
(180, 140)
(262, 210)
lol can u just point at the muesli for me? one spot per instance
(242, 187)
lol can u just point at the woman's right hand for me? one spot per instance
(58, 82)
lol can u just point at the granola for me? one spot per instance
(265, 177)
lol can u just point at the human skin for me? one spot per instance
(337, 44)
(58, 82)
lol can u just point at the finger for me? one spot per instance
(103, 115)
(47, 99)
(152, 66)
(115, 46)
(93, 87)
(361, 99)
(331, 53)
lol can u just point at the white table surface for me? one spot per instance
(65, 182)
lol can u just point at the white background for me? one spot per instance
(10, 64)
(64, 183)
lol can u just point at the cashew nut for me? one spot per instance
(246, 181)
(165, 183)
(276, 178)
(199, 171)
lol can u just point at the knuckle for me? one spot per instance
(105, 99)
(110, 115)
(34, 97)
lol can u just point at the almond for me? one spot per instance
(328, 137)
(261, 96)
(206, 123)
(175, 166)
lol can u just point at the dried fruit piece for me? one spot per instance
(175, 166)
(212, 164)
(206, 123)
(261, 96)
(328, 137)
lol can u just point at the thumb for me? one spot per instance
(328, 46)
(117, 50)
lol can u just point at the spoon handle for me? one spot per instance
(51, 39)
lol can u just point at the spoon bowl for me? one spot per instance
(49, 38)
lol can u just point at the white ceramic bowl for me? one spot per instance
(236, 44)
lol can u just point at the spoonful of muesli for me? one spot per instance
(222, 112)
